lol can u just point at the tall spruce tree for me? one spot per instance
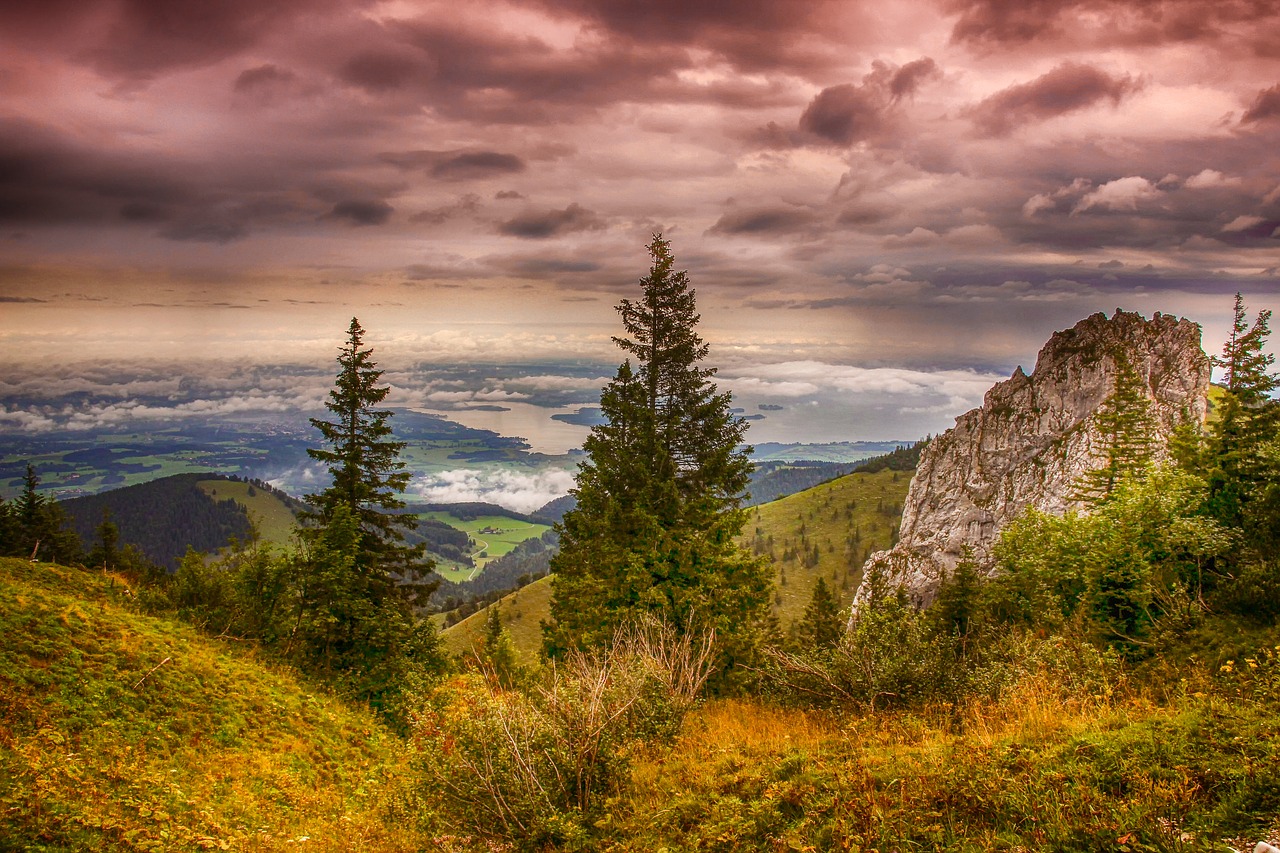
(1127, 428)
(1243, 439)
(357, 581)
(38, 526)
(659, 497)
(364, 462)
(1248, 416)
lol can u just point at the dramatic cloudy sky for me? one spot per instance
(889, 204)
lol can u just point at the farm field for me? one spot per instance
(493, 535)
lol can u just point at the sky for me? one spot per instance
(883, 207)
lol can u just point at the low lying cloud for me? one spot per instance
(511, 489)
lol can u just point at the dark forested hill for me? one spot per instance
(773, 480)
(163, 517)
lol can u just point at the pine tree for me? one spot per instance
(8, 529)
(820, 628)
(659, 497)
(496, 655)
(1126, 427)
(106, 552)
(364, 462)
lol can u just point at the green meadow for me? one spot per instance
(492, 535)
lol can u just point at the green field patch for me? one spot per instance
(492, 536)
(452, 572)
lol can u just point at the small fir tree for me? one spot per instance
(106, 552)
(659, 497)
(1126, 426)
(956, 610)
(496, 655)
(820, 628)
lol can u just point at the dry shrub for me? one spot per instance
(533, 766)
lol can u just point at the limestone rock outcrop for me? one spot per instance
(1034, 437)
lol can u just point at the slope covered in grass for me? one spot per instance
(273, 513)
(521, 612)
(122, 731)
(827, 531)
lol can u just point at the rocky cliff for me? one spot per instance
(1034, 437)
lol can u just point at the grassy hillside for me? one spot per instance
(1047, 768)
(125, 732)
(273, 515)
(522, 612)
(846, 519)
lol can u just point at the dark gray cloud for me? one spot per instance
(47, 176)
(1230, 25)
(910, 77)
(262, 76)
(843, 114)
(752, 35)
(1067, 88)
(849, 113)
(362, 211)
(141, 39)
(476, 165)
(542, 224)
(206, 231)
(1265, 107)
(385, 71)
(764, 220)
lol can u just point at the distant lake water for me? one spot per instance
(532, 423)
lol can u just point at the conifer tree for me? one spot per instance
(1126, 426)
(1248, 421)
(357, 582)
(8, 528)
(659, 497)
(956, 609)
(364, 462)
(106, 552)
(39, 527)
(820, 628)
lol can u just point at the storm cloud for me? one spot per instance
(845, 181)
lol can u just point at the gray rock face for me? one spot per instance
(1034, 437)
